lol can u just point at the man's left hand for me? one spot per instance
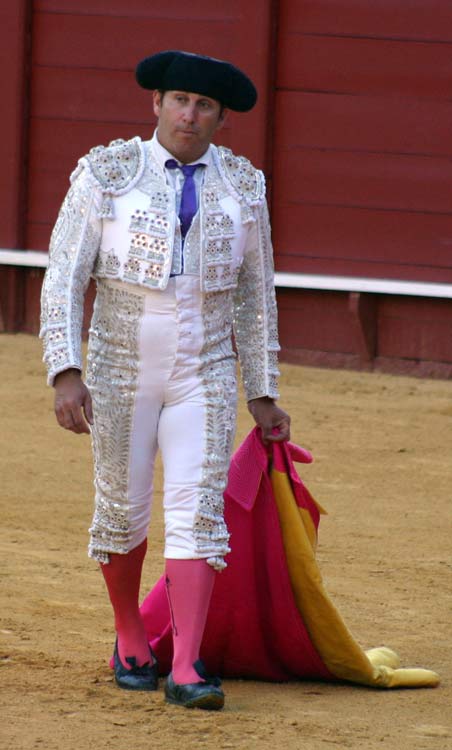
(270, 417)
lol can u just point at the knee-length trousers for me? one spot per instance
(155, 385)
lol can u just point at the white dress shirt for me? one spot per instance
(175, 179)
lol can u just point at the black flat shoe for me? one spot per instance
(194, 695)
(136, 678)
(200, 669)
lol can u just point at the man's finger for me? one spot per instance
(88, 408)
(282, 434)
(64, 417)
(79, 423)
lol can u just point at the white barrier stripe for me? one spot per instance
(38, 259)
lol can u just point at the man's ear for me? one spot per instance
(157, 102)
(222, 118)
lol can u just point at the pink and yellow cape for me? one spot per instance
(270, 616)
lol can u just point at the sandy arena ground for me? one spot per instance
(382, 449)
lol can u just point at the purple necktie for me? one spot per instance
(188, 203)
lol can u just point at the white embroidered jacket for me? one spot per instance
(118, 221)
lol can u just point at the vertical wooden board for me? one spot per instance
(396, 19)
(255, 54)
(364, 66)
(33, 282)
(418, 329)
(38, 235)
(13, 39)
(315, 320)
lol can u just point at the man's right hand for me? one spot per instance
(73, 407)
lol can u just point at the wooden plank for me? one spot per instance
(14, 39)
(367, 180)
(86, 41)
(412, 329)
(14, 21)
(97, 95)
(364, 66)
(363, 312)
(420, 329)
(176, 9)
(38, 235)
(352, 242)
(311, 320)
(396, 19)
(33, 282)
(363, 123)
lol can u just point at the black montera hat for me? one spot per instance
(174, 70)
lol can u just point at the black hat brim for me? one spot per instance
(174, 70)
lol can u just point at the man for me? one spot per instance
(175, 231)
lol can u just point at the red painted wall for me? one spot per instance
(15, 39)
(363, 149)
(362, 170)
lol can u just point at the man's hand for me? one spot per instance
(268, 416)
(73, 406)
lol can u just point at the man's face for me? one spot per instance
(186, 123)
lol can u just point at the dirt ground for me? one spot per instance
(382, 449)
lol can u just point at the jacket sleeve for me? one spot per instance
(73, 250)
(255, 315)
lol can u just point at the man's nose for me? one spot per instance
(190, 112)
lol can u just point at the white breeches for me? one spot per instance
(154, 386)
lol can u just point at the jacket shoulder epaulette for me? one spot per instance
(247, 181)
(118, 166)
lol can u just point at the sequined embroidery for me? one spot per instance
(73, 250)
(255, 314)
(247, 181)
(153, 229)
(112, 375)
(218, 373)
(218, 233)
(117, 166)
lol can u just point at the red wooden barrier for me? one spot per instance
(396, 19)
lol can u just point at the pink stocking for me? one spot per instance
(189, 585)
(122, 576)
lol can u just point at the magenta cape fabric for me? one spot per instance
(254, 628)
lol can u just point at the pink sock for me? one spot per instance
(122, 576)
(189, 585)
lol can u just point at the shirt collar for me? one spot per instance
(162, 155)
